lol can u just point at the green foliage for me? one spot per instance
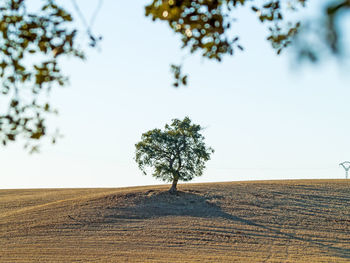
(317, 39)
(30, 47)
(176, 153)
(205, 26)
(201, 24)
(179, 78)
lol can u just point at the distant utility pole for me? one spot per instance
(346, 166)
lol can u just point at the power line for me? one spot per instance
(276, 168)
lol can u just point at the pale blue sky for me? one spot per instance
(265, 118)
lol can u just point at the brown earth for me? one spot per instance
(262, 221)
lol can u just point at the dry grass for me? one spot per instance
(267, 221)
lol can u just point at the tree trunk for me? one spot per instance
(173, 189)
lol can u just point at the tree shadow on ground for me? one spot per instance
(153, 204)
(156, 204)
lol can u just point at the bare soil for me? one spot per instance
(261, 221)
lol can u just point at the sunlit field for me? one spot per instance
(262, 221)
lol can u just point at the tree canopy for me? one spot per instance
(176, 153)
(25, 37)
(32, 44)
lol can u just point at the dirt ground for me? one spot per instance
(262, 221)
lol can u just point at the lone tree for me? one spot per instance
(177, 153)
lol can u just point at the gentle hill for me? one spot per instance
(260, 221)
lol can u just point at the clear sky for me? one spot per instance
(266, 117)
